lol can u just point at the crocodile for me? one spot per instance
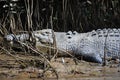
(91, 46)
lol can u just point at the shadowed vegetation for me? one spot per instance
(63, 15)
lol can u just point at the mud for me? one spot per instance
(67, 69)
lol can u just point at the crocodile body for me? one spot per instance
(91, 45)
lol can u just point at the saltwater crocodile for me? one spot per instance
(92, 46)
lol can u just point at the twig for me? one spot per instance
(16, 57)
(38, 52)
(64, 51)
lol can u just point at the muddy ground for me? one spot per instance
(67, 69)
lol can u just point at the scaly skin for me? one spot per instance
(91, 45)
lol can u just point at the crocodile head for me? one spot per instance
(48, 36)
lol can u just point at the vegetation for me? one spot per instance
(60, 15)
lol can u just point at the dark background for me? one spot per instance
(61, 15)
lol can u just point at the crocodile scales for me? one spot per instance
(91, 45)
